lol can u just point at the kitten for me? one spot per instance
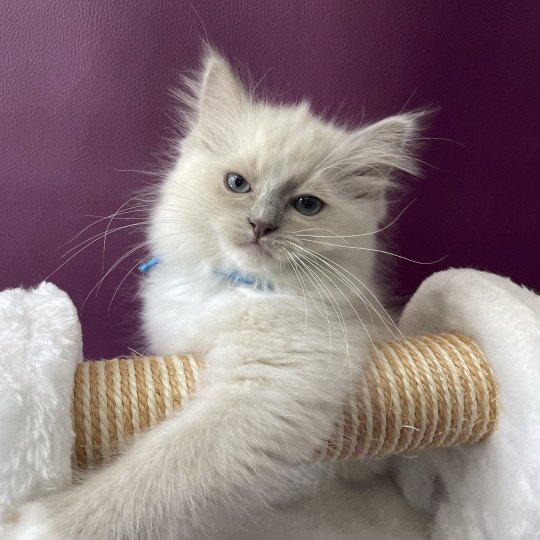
(265, 233)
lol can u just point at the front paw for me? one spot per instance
(27, 522)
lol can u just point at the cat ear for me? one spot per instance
(216, 99)
(374, 153)
(220, 90)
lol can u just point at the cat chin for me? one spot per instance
(251, 257)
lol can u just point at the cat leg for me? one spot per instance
(234, 447)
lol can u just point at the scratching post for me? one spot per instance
(421, 392)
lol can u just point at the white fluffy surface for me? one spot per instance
(489, 490)
(40, 343)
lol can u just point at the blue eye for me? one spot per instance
(308, 205)
(237, 183)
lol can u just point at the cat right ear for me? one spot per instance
(217, 100)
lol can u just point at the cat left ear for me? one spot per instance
(217, 100)
(220, 91)
(376, 152)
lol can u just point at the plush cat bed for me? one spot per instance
(487, 490)
(40, 345)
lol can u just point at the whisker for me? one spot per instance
(333, 235)
(353, 235)
(367, 303)
(155, 174)
(141, 245)
(304, 290)
(119, 261)
(319, 289)
(441, 139)
(295, 263)
(377, 251)
(99, 235)
(334, 265)
(341, 318)
(107, 229)
(358, 316)
(128, 273)
(318, 309)
(102, 218)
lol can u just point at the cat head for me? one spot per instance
(258, 185)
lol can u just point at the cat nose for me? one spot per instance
(261, 228)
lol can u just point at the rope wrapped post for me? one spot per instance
(421, 392)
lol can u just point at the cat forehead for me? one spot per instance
(291, 130)
(282, 148)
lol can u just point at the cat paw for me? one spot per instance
(27, 522)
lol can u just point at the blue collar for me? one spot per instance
(148, 265)
(237, 279)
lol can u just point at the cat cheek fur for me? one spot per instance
(280, 362)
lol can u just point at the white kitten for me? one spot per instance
(265, 231)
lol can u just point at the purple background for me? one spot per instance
(84, 97)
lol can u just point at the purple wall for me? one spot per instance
(83, 97)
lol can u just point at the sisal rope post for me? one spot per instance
(420, 392)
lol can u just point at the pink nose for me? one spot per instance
(260, 228)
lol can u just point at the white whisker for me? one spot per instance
(334, 266)
(353, 235)
(337, 310)
(377, 251)
(346, 281)
(358, 317)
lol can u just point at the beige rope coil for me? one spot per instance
(422, 392)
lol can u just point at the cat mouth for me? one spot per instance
(255, 248)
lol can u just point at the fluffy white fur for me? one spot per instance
(40, 342)
(280, 361)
